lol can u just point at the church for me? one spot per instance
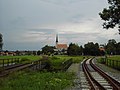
(60, 48)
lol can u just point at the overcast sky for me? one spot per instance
(31, 24)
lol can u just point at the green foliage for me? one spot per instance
(113, 61)
(48, 50)
(116, 57)
(22, 58)
(112, 47)
(32, 80)
(73, 50)
(38, 52)
(37, 81)
(56, 62)
(91, 49)
(111, 15)
(28, 57)
(75, 59)
(101, 60)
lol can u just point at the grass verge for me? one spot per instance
(37, 81)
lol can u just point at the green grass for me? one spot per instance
(57, 61)
(37, 81)
(22, 58)
(76, 59)
(32, 80)
(111, 61)
(116, 57)
(28, 57)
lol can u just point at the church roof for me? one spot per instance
(63, 46)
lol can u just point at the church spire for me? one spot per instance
(57, 39)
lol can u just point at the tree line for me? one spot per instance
(89, 49)
(111, 48)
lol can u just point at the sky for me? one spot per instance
(32, 24)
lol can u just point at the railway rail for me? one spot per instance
(97, 79)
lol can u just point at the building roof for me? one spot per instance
(63, 46)
(102, 49)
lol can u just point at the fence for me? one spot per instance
(112, 63)
(39, 64)
(35, 65)
(8, 62)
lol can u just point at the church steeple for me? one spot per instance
(57, 39)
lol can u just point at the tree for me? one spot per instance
(111, 47)
(111, 15)
(38, 52)
(1, 41)
(118, 48)
(81, 50)
(97, 50)
(34, 53)
(91, 49)
(48, 50)
(73, 49)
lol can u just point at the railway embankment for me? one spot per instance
(109, 70)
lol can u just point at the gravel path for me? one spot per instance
(75, 68)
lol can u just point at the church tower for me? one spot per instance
(60, 48)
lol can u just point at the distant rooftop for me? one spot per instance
(64, 46)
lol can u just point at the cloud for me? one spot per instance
(35, 36)
(34, 23)
(63, 2)
(44, 30)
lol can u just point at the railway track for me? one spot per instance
(93, 78)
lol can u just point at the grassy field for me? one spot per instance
(22, 58)
(76, 59)
(116, 57)
(30, 57)
(35, 80)
(57, 61)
